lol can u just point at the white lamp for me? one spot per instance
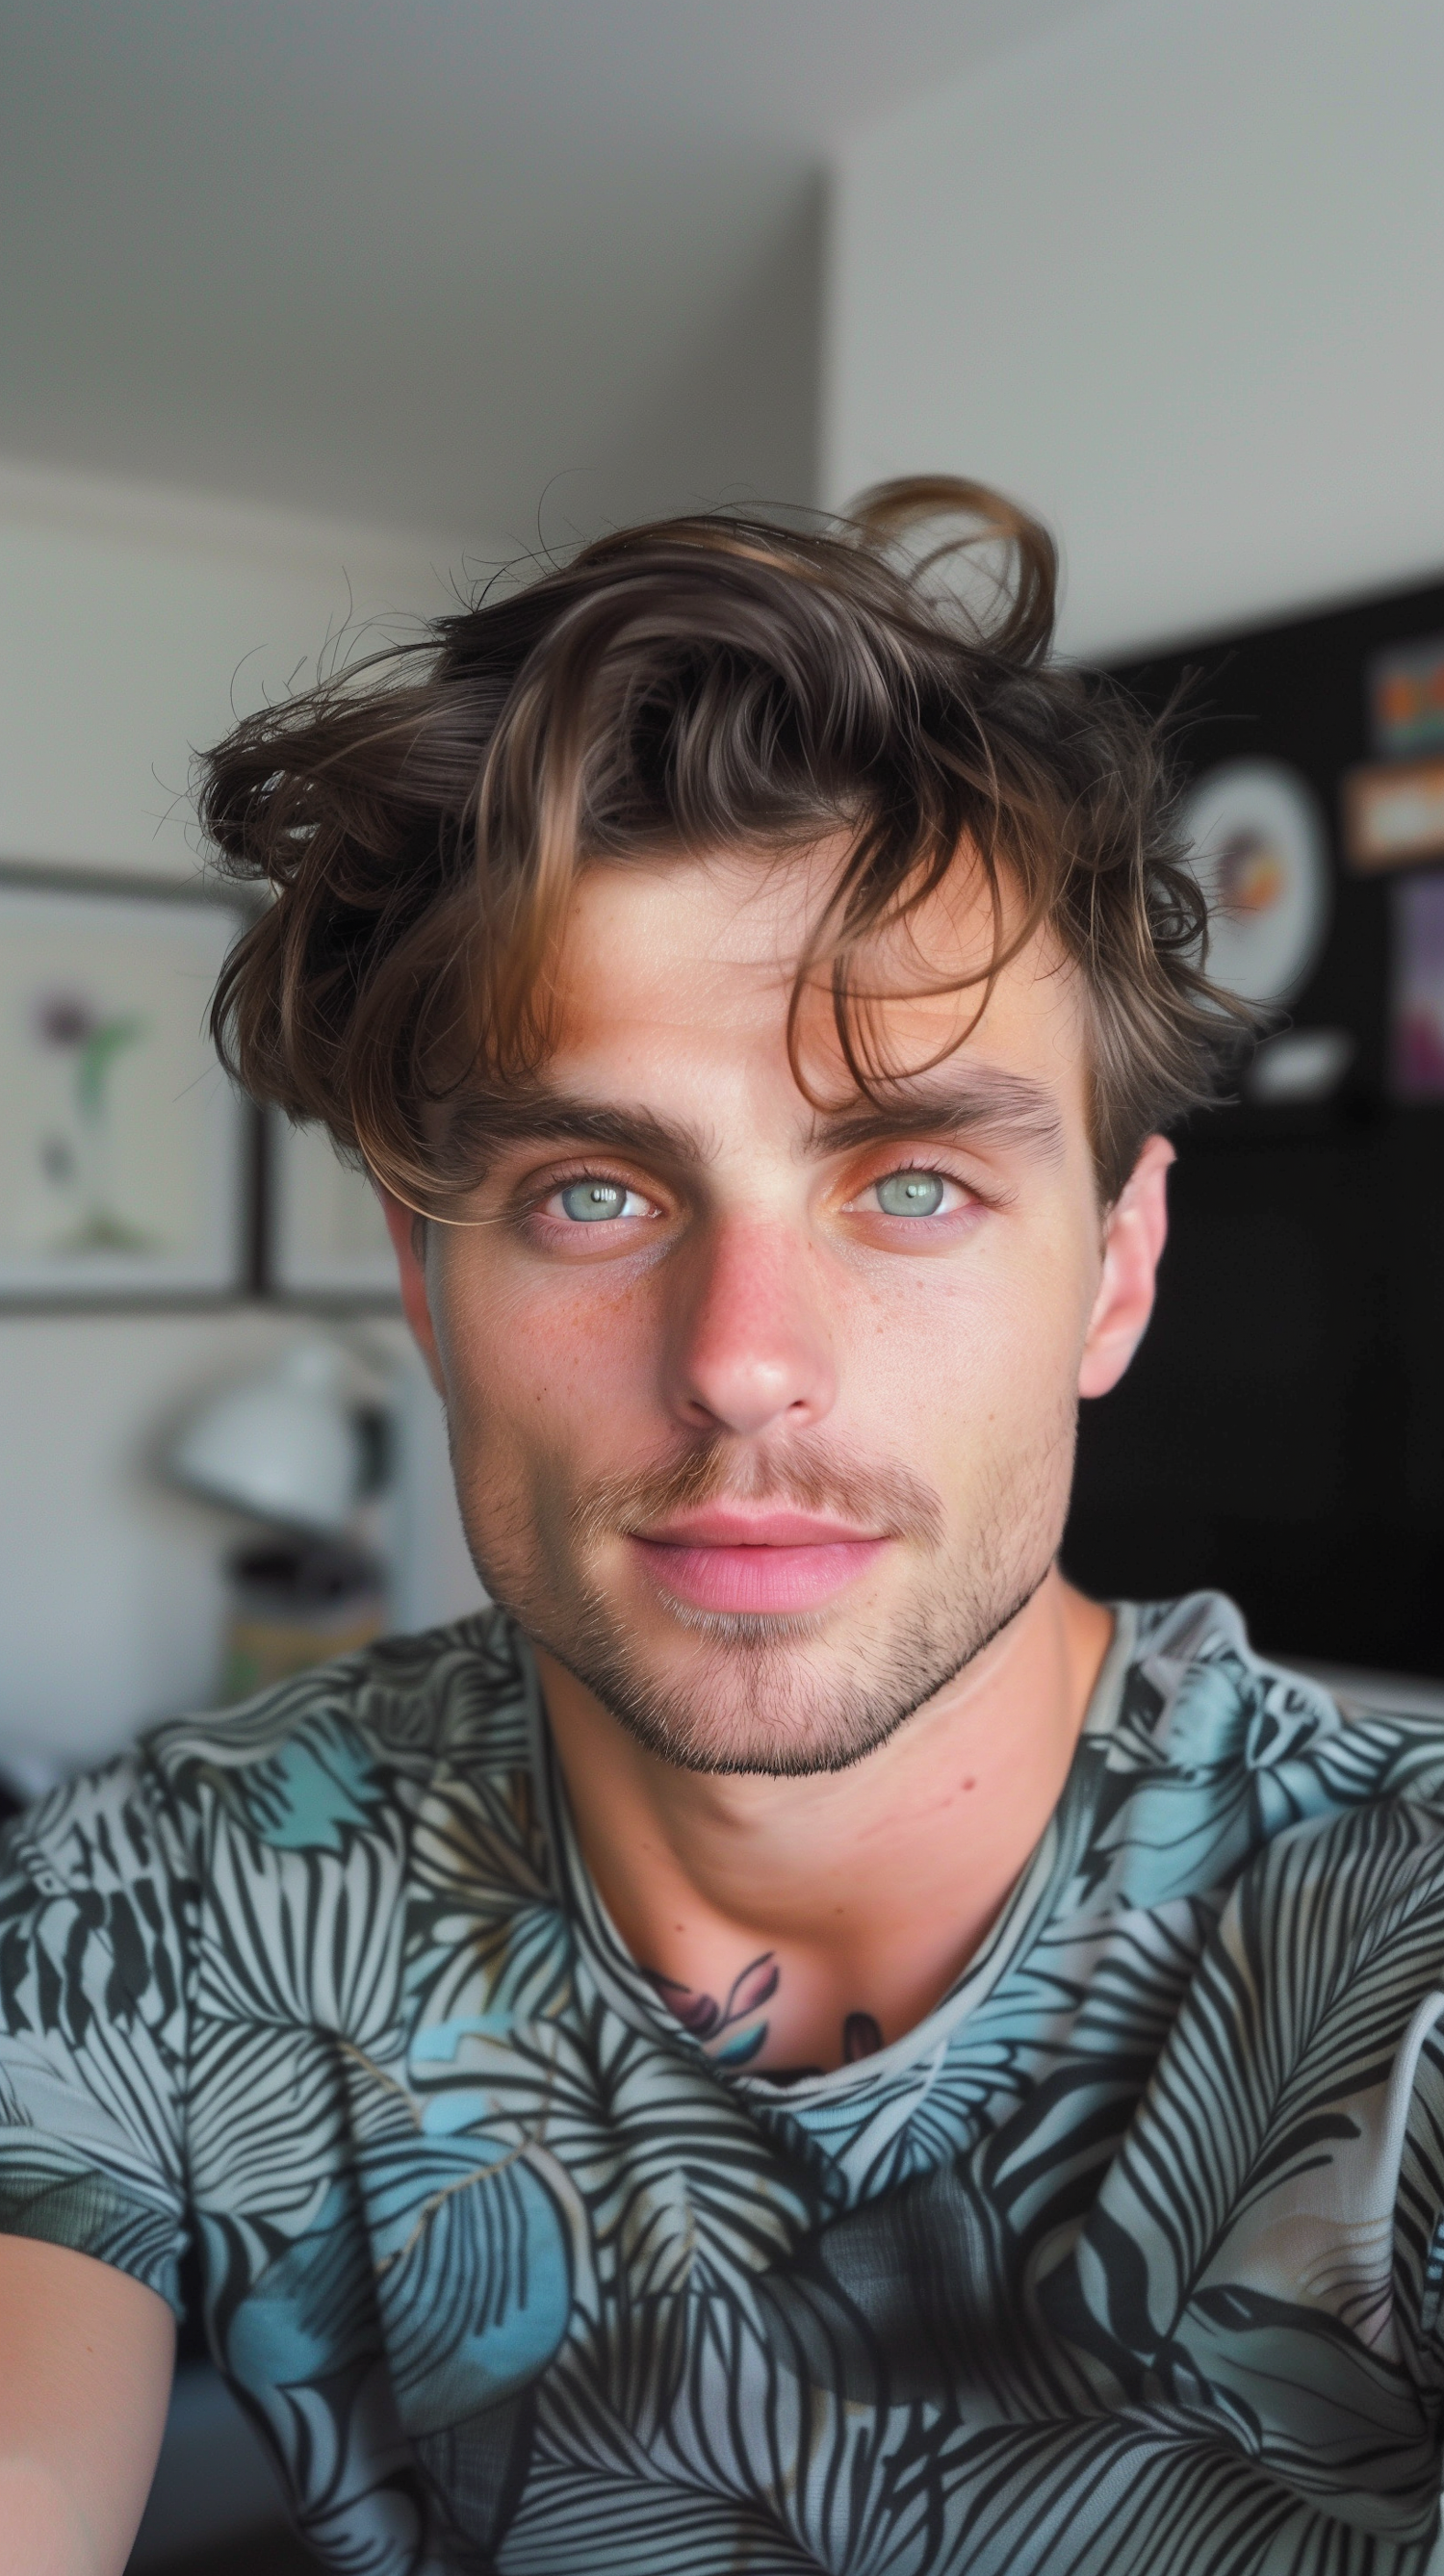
(287, 1446)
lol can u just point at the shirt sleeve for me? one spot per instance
(96, 1914)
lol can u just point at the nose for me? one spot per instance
(748, 1347)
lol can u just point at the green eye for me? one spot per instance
(588, 1202)
(910, 1193)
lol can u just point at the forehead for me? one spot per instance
(691, 964)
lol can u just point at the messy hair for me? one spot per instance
(703, 685)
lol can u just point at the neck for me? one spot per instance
(865, 1890)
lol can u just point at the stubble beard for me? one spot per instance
(786, 1696)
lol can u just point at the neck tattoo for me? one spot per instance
(734, 2031)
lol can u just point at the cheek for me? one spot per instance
(999, 1340)
(541, 1404)
(544, 1364)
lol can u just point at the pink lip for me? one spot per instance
(731, 1560)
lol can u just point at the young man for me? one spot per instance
(800, 2042)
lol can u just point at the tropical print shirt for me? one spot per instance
(1128, 2258)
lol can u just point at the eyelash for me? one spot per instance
(920, 1172)
(538, 1200)
(538, 1203)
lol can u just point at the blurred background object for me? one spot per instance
(290, 1445)
(313, 311)
(1281, 1433)
(304, 1449)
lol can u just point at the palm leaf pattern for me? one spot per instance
(1128, 2260)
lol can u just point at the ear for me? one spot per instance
(406, 1230)
(1133, 1244)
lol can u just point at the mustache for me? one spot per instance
(872, 1494)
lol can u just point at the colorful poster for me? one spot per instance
(1418, 988)
(1394, 814)
(1406, 698)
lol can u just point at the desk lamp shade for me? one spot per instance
(286, 1446)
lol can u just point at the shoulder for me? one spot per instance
(1197, 1696)
(1200, 1752)
(350, 1749)
(461, 1691)
(345, 1754)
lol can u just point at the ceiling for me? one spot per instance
(500, 267)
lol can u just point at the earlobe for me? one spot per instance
(1136, 1232)
(407, 1232)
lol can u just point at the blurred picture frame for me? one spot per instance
(325, 1235)
(125, 1150)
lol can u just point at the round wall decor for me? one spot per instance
(1260, 854)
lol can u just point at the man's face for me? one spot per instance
(762, 1412)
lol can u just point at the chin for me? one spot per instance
(779, 1693)
(771, 1696)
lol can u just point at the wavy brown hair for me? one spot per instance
(700, 685)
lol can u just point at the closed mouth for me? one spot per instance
(726, 1559)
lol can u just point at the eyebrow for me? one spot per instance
(483, 1129)
(1005, 1109)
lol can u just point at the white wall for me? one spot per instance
(131, 623)
(1173, 277)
